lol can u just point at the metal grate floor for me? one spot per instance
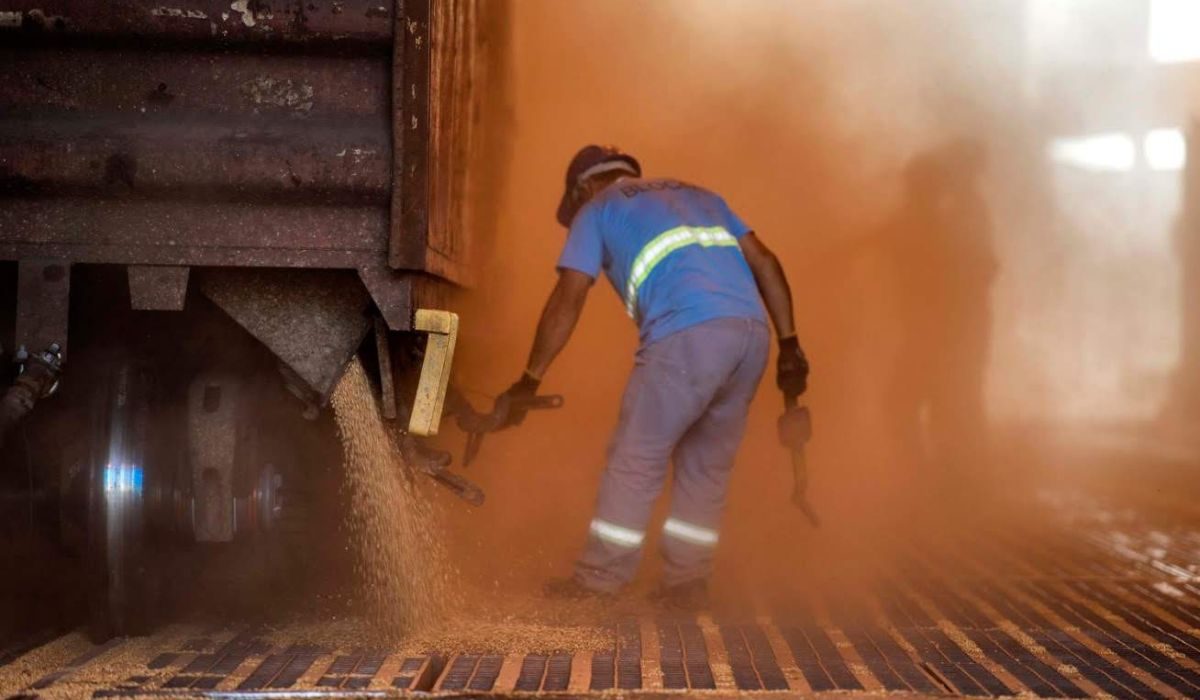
(1100, 608)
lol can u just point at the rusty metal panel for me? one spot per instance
(241, 133)
(207, 20)
(167, 232)
(453, 57)
(125, 145)
(442, 63)
(197, 84)
(190, 125)
(157, 287)
(168, 159)
(410, 138)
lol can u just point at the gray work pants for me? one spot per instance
(686, 402)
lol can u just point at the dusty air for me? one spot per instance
(614, 348)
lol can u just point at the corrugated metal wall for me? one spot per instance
(245, 133)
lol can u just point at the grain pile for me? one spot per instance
(521, 624)
(401, 561)
(27, 669)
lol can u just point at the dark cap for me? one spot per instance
(589, 161)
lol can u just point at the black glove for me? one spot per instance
(791, 370)
(795, 427)
(513, 404)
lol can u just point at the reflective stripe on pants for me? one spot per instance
(615, 534)
(690, 533)
(687, 397)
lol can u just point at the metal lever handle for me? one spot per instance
(800, 487)
(800, 472)
(543, 401)
(434, 464)
(476, 424)
(461, 487)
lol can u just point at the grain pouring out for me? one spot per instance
(401, 559)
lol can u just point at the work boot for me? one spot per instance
(571, 589)
(691, 596)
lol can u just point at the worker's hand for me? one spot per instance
(795, 427)
(791, 370)
(513, 404)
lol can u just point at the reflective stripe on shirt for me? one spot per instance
(663, 245)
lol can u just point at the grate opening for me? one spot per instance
(745, 677)
(533, 669)
(946, 686)
(558, 673)
(823, 667)
(604, 669)
(486, 673)
(459, 673)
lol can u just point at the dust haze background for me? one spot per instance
(803, 116)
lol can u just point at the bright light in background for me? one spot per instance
(1118, 194)
(1114, 152)
(1174, 30)
(122, 478)
(1165, 149)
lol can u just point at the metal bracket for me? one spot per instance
(387, 382)
(213, 413)
(442, 327)
(312, 320)
(43, 295)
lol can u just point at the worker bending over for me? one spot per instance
(695, 278)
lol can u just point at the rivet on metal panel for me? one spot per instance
(442, 327)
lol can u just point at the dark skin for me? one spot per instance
(563, 308)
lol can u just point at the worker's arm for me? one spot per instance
(792, 366)
(559, 317)
(772, 284)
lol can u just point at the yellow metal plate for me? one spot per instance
(442, 327)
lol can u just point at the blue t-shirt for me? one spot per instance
(670, 250)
